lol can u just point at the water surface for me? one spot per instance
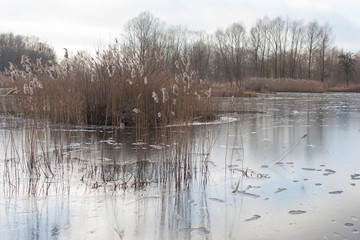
(288, 169)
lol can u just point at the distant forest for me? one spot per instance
(271, 48)
(12, 47)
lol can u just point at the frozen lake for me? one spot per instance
(287, 169)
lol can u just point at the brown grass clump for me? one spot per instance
(344, 88)
(270, 85)
(230, 90)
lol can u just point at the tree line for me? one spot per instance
(271, 48)
(13, 47)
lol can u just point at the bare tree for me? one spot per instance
(325, 39)
(264, 46)
(347, 64)
(276, 28)
(297, 36)
(222, 54)
(175, 44)
(231, 45)
(12, 47)
(199, 52)
(143, 38)
(254, 47)
(284, 48)
(311, 41)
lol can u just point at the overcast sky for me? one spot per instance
(82, 24)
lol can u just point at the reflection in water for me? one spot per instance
(34, 218)
(98, 188)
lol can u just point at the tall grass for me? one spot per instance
(111, 90)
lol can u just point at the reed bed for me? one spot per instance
(270, 85)
(109, 90)
(114, 91)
